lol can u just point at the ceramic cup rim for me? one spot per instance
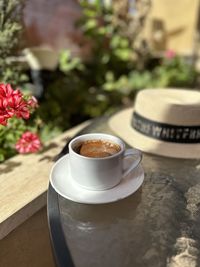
(97, 136)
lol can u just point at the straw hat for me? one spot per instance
(163, 121)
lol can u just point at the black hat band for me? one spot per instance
(166, 132)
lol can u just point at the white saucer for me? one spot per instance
(64, 185)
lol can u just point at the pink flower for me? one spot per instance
(28, 143)
(32, 102)
(169, 54)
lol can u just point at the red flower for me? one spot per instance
(3, 119)
(20, 108)
(7, 91)
(12, 104)
(4, 113)
(28, 143)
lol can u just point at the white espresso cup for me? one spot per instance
(101, 173)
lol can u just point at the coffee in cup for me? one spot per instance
(97, 148)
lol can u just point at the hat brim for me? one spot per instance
(120, 123)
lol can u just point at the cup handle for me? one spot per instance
(137, 155)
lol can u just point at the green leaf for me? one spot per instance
(2, 157)
(67, 63)
(109, 76)
(123, 54)
(101, 30)
(89, 12)
(115, 41)
(90, 24)
(124, 43)
(105, 58)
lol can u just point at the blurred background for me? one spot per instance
(83, 59)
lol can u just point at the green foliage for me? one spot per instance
(118, 66)
(10, 33)
(99, 84)
(11, 72)
(67, 63)
(10, 134)
(174, 72)
(113, 73)
(8, 137)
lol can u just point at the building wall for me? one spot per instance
(170, 25)
(51, 22)
(173, 25)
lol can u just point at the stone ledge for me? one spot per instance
(24, 182)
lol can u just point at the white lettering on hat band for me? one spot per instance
(166, 132)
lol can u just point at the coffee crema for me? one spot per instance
(97, 148)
